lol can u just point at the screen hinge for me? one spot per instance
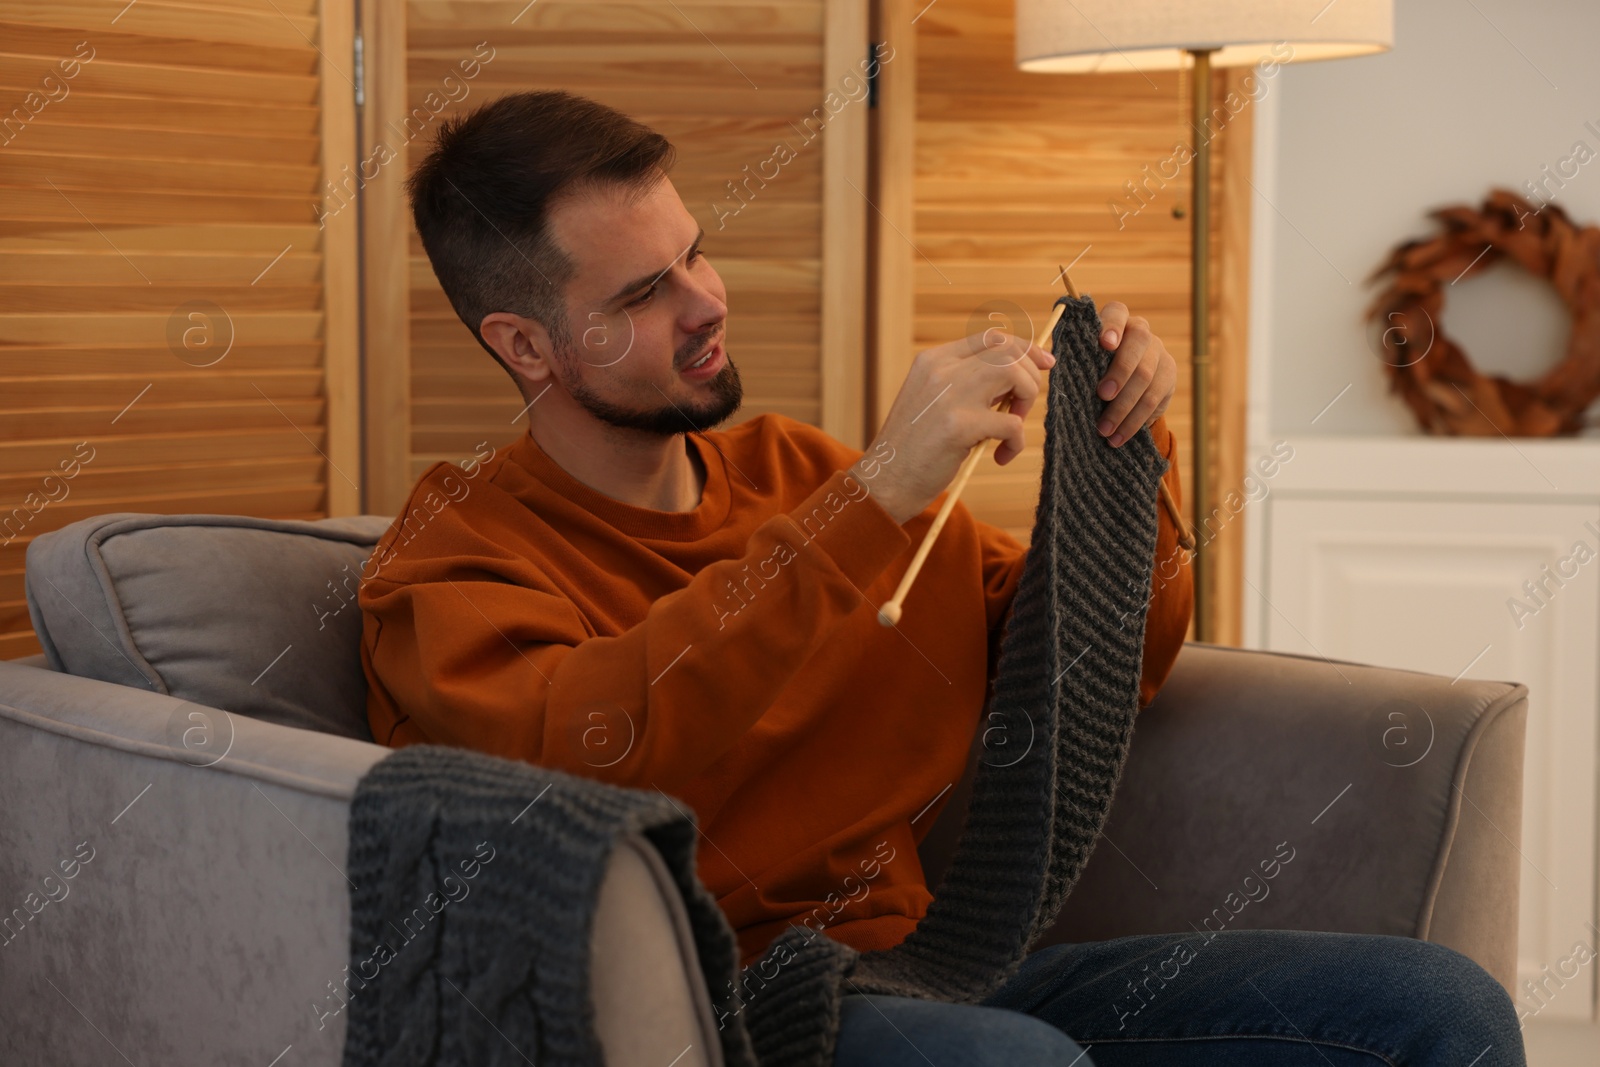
(360, 71)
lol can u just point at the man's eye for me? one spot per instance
(642, 298)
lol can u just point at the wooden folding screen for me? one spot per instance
(990, 179)
(178, 177)
(727, 83)
(177, 332)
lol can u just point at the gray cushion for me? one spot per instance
(253, 616)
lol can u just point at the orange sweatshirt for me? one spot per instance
(729, 656)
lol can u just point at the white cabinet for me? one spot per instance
(1467, 559)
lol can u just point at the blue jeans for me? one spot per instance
(1237, 998)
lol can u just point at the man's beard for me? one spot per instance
(670, 416)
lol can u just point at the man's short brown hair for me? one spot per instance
(481, 199)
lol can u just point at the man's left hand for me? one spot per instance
(1142, 377)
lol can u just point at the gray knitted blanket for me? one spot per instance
(501, 977)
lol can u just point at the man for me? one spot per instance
(628, 594)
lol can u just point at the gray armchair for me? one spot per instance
(175, 799)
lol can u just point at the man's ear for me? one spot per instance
(524, 344)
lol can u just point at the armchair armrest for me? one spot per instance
(1396, 794)
(1380, 801)
(206, 915)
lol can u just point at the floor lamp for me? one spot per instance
(1118, 36)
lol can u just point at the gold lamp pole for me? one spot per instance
(1200, 341)
(1121, 36)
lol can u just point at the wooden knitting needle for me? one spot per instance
(1185, 535)
(1072, 290)
(889, 614)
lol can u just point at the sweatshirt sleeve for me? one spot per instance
(488, 654)
(1172, 586)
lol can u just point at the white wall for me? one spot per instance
(1476, 93)
(1350, 157)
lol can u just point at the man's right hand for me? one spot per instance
(947, 404)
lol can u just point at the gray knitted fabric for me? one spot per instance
(515, 950)
(458, 960)
(1071, 659)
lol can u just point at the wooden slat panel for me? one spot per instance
(437, 25)
(199, 274)
(105, 75)
(133, 329)
(388, 236)
(161, 299)
(210, 176)
(181, 171)
(220, 117)
(72, 421)
(18, 643)
(230, 23)
(107, 483)
(173, 389)
(36, 40)
(55, 138)
(267, 497)
(147, 450)
(103, 206)
(721, 99)
(23, 362)
(341, 295)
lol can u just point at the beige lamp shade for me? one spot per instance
(1088, 36)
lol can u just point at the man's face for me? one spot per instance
(643, 306)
